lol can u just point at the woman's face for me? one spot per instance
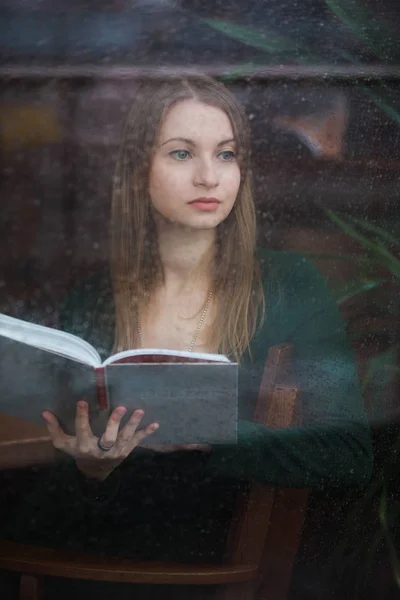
(194, 176)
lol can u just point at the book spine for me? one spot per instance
(101, 387)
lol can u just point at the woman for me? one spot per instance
(185, 274)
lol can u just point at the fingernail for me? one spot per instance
(139, 412)
(121, 410)
(82, 404)
(155, 426)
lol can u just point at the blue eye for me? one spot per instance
(180, 154)
(227, 155)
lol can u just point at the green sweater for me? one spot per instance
(182, 491)
(333, 445)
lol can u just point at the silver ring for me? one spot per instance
(103, 448)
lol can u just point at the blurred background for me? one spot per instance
(320, 82)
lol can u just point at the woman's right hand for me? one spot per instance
(90, 459)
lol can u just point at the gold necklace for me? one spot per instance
(196, 333)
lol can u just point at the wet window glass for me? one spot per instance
(199, 299)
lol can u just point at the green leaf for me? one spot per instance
(281, 47)
(365, 25)
(382, 362)
(383, 513)
(381, 94)
(386, 258)
(345, 257)
(355, 288)
(242, 70)
(379, 231)
(266, 41)
(383, 104)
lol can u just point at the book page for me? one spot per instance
(50, 340)
(154, 355)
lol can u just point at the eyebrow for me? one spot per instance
(191, 142)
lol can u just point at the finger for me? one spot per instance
(82, 427)
(130, 428)
(145, 432)
(59, 438)
(110, 434)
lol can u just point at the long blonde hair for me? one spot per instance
(136, 268)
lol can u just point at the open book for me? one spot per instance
(193, 396)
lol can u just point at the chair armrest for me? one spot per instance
(24, 444)
(45, 561)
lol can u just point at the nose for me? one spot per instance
(206, 174)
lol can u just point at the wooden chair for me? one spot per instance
(261, 546)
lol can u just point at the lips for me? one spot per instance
(205, 204)
(205, 201)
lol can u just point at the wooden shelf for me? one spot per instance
(368, 73)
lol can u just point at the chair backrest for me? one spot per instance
(267, 523)
(24, 444)
(263, 538)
